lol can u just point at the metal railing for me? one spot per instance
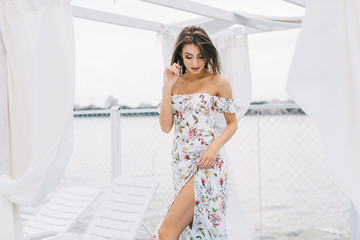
(286, 187)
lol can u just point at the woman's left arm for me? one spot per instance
(208, 157)
(230, 129)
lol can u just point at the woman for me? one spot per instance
(193, 92)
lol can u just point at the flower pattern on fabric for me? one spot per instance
(194, 130)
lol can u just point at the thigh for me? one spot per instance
(181, 212)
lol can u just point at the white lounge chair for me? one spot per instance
(60, 213)
(121, 210)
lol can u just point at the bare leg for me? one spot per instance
(180, 214)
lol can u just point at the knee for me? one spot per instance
(164, 232)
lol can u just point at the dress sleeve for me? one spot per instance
(227, 105)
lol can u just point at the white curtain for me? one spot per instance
(37, 89)
(232, 45)
(324, 80)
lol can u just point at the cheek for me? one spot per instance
(202, 63)
(186, 62)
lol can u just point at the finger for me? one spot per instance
(176, 70)
(208, 163)
(178, 66)
(169, 70)
(201, 165)
(204, 162)
(200, 162)
(211, 164)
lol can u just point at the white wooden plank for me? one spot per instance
(61, 211)
(117, 225)
(301, 3)
(109, 234)
(38, 225)
(129, 198)
(209, 11)
(100, 16)
(119, 215)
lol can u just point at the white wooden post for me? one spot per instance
(115, 141)
(355, 223)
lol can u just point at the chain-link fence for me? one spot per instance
(288, 190)
(91, 161)
(286, 187)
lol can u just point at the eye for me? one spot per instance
(201, 56)
(188, 57)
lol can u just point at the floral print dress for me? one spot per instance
(194, 119)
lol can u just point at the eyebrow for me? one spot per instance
(191, 54)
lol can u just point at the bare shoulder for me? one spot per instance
(179, 84)
(223, 86)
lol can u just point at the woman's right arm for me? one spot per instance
(166, 117)
(171, 74)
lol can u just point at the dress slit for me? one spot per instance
(172, 203)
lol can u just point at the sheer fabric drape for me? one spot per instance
(324, 80)
(37, 89)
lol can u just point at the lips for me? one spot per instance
(195, 69)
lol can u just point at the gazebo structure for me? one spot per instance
(227, 29)
(36, 135)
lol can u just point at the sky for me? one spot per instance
(127, 63)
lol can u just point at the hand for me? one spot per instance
(208, 157)
(171, 74)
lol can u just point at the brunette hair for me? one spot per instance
(198, 36)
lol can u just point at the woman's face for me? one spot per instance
(193, 59)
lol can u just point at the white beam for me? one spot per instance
(209, 24)
(208, 11)
(301, 3)
(105, 17)
(274, 23)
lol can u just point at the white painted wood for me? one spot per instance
(209, 11)
(115, 140)
(254, 24)
(122, 209)
(276, 23)
(100, 16)
(301, 3)
(60, 213)
(355, 222)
